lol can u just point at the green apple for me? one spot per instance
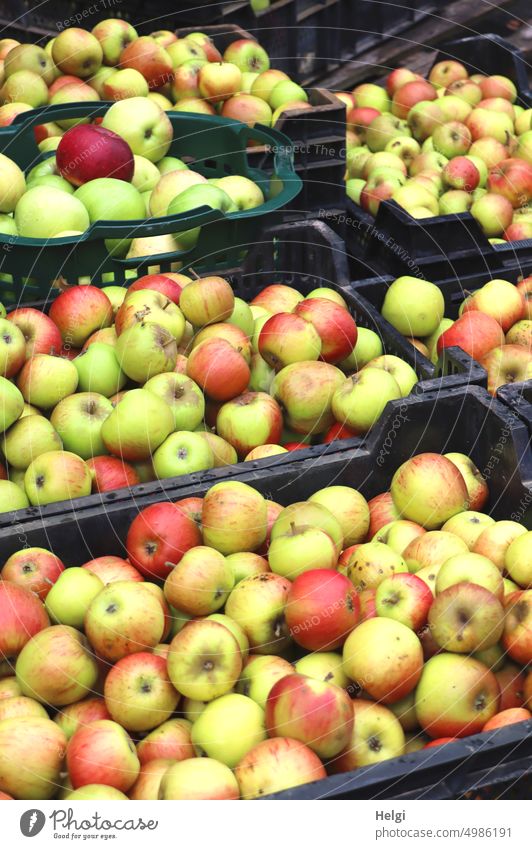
(17, 476)
(98, 80)
(286, 91)
(243, 191)
(47, 166)
(29, 437)
(116, 295)
(432, 341)
(45, 380)
(99, 370)
(193, 198)
(44, 211)
(114, 34)
(261, 374)
(404, 374)
(53, 180)
(12, 184)
(146, 175)
(47, 145)
(25, 87)
(139, 423)
(182, 453)
(12, 497)
(29, 57)
(415, 307)
(11, 403)
(382, 130)
(360, 402)
(171, 163)
(242, 317)
(301, 549)
(354, 188)
(107, 199)
(78, 420)
(69, 598)
(183, 396)
(125, 83)
(169, 186)
(368, 346)
(143, 124)
(7, 225)
(228, 728)
(324, 666)
(350, 508)
(145, 350)
(237, 631)
(57, 476)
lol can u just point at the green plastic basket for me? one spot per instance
(215, 146)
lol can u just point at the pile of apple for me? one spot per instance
(112, 62)
(494, 325)
(172, 376)
(243, 648)
(450, 144)
(116, 171)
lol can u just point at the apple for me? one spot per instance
(23, 615)
(218, 81)
(158, 537)
(35, 569)
(468, 526)
(286, 338)
(361, 399)
(277, 298)
(70, 596)
(80, 713)
(398, 78)
(124, 618)
(493, 212)
(145, 350)
(259, 674)
(98, 368)
(200, 583)
(284, 92)
(170, 740)
(275, 765)
(498, 86)
(184, 85)
(513, 685)
(456, 696)
(484, 122)
(114, 35)
(475, 332)
(500, 299)
(472, 568)
(149, 306)
(370, 563)
(142, 124)
(234, 518)
(250, 420)
(461, 173)
(324, 666)
(138, 693)
(314, 712)
(56, 666)
(247, 55)
(377, 736)
(199, 778)
(489, 150)
(40, 332)
(452, 139)
(246, 563)
(405, 598)
(369, 94)
(257, 604)
(150, 59)
(77, 420)
(446, 72)
(465, 617)
(87, 152)
(308, 514)
(33, 219)
(113, 760)
(418, 486)
(455, 109)
(507, 717)
(432, 549)
(25, 87)
(307, 401)
(220, 370)
(110, 568)
(299, 549)
(477, 487)
(228, 728)
(518, 562)
(405, 376)
(137, 426)
(170, 286)
(322, 609)
(507, 364)
(56, 476)
(12, 496)
(512, 178)
(148, 783)
(26, 440)
(12, 184)
(249, 109)
(28, 57)
(334, 325)
(423, 119)
(9, 688)
(32, 750)
(516, 639)
(414, 307)
(204, 660)
(123, 84)
(207, 300)
(409, 95)
(350, 509)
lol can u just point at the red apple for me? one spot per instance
(525, 288)
(382, 511)
(87, 152)
(405, 598)
(150, 59)
(339, 431)
(158, 537)
(138, 693)
(110, 569)
(102, 752)
(410, 94)
(311, 711)
(169, 740)
(110, 473)
(512, 178)
(335, 326)
(322, 608)
(67, 79)
(221, 371)
(461, 173)
(165, 285)
(79, 311)
(277, 764)
(507, 364)
(277, 298)
(22, 615)
(79, 714)
(399, 77)
(35, 569)
(41, 334)
(474, 332)
(286, 338)
(517, 638)
(499, 299)
(191, 507)
(511, 680)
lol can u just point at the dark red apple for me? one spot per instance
(87, 152)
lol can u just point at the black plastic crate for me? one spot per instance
(366, 23)
(466, 420)
(395, 242)
(518, 396)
